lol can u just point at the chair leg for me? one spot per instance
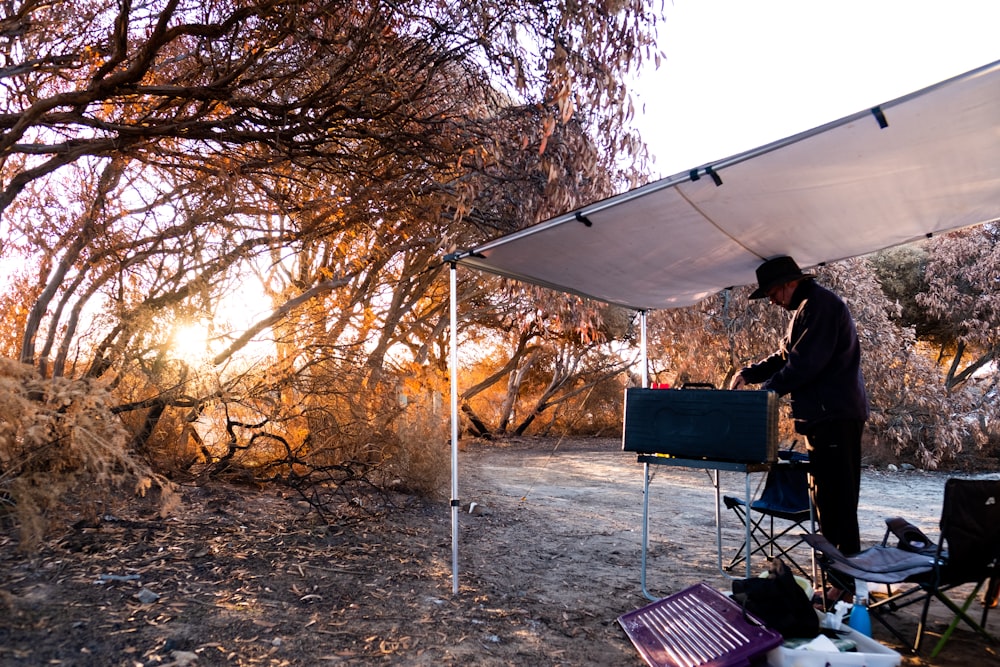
(990, 596)
(742, 551)
(959, 616)
(896, 633)
(922, 624)
(748, 550)
(883, 609)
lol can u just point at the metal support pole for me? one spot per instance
(749, 502)
(453, 313)
(644, 345)
(645, 531)
(644, 360)
(718, 523)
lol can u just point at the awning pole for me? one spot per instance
(644, 360)
(454, 428)
(643, 344)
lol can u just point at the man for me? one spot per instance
(819, 366)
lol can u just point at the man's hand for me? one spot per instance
(738, 382)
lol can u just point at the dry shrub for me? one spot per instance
(409, 427)
(421, 462)
(409, 453)
(172, 447)
(598, 411)
(59, 438)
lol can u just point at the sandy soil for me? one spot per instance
(549, 559)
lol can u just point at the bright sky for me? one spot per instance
(743, 73)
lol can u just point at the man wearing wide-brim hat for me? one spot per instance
(818, 365)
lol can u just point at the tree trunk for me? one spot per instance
(479, 427)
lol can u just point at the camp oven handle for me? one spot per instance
(697, 385)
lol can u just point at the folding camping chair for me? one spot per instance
(967, 552)
(785, 498)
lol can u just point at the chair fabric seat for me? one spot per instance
(878, 564)
(779, 511)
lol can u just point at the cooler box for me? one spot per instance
(869, 653)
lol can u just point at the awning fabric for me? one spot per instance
(922, 164)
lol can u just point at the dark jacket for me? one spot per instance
(819, 362)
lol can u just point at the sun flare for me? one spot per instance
(190, 342)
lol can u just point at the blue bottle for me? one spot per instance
(860, 619)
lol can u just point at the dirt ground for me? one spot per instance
(549, 558)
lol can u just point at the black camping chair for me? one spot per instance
(967, 552)
(785, 498)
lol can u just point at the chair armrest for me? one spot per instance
(910, 537)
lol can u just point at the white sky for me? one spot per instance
(743, 73)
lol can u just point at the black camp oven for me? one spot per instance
(702, 424)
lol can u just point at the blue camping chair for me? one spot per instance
(782, 513)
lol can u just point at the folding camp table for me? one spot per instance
(714, 466)
(700, 427)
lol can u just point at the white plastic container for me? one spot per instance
(869, 653)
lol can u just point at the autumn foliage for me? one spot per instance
(222, 234)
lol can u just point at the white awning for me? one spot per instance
(919, 165)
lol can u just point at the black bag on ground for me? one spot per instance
(778, 601)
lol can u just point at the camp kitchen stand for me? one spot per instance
(701, 427)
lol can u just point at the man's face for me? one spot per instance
(781, 295)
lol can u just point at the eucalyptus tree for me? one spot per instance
(157, 158)
(962, 294)
(541, 351)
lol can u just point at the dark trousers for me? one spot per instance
(835, 465)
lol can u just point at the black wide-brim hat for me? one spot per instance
(777, 271)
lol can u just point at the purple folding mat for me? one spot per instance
(697, 627)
